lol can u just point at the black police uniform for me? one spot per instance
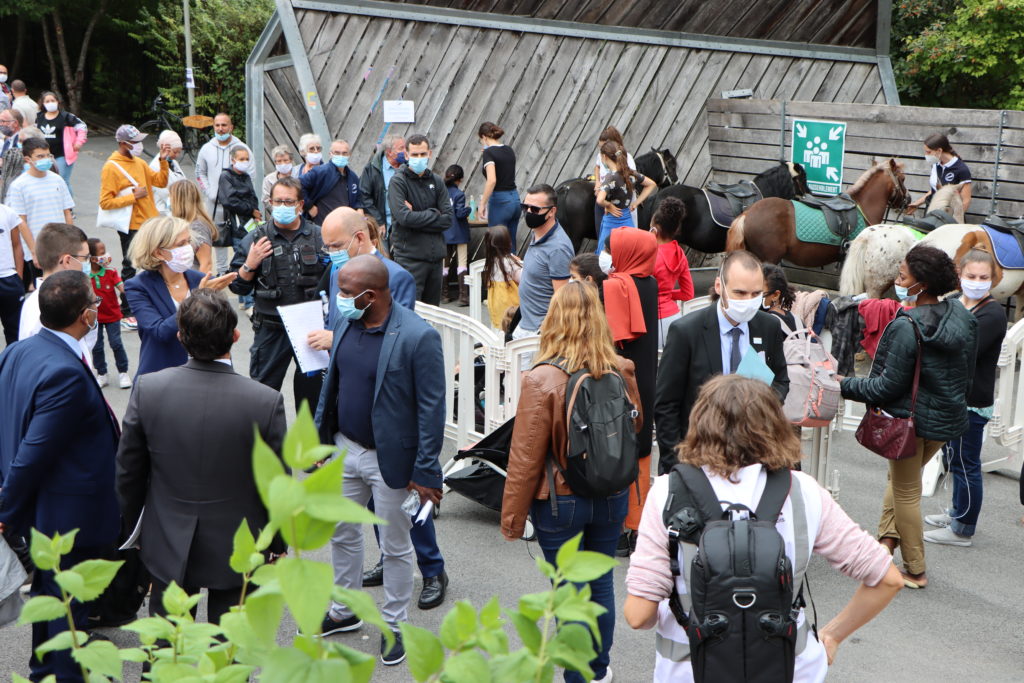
(290, 275)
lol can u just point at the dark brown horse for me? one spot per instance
(768, 227)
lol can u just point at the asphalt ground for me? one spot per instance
(966, 625)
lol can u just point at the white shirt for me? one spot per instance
(724, 326)
(39, 200)
(9, 222)
(604, 169)
(162, 195)
(30, 325)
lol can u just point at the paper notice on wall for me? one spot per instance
(399, 111)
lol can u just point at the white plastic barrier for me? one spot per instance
(1007, 425)
(476, 295)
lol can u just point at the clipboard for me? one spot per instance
(299, 320)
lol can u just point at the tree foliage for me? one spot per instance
(223, 34)
(965, 53)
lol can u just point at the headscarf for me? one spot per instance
(634, 253)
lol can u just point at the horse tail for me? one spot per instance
(735, 239)
(851, 278)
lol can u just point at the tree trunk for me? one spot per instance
(19, 46)
(54, 84)
(79, 79)
(74, 96)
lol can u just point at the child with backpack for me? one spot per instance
(732, 503)
(107, 284)
(502, 269)
(456, 238)
(574, 475)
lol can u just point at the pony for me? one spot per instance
(576, 199)
(768, 227)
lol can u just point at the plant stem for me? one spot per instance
(549, 614)
(71, 626)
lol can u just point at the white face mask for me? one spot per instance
(743, 310)
(242, 166)
(50, 106)
(931, 159)
(181, 258)
(604, 260)
(3, 78)
(314, 158)
(136, 149)
(284, 169)
(975, 289)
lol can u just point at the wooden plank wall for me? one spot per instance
(551, 94)
(849, 23)
(744, 140)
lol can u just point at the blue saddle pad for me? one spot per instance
(1007, 248)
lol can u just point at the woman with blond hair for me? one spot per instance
(162, 253)
(737, 435)
(574, 335)
(187, 203)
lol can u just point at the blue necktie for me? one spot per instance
(734, 353)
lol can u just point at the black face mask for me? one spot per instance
(535, 220)
(6, 131)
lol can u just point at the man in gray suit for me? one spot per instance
(186, 455)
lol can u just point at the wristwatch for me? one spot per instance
(246, 268)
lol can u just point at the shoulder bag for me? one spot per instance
(118, 219)
(893, 438)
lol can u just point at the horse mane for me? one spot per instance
(776, 181)
(947, 198)
(866, 176)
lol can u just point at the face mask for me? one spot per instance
(284, 169)
(347, 306)
(339, 161)
(3, 78)
(904, 295)
(314, 158)
(931, 159)
(86, 267)
(400, 158)
(342, 256)
(6, 131)
(743, 310)
(43, 164)
(418, 164)
(604, 260)
(50, 106)
(136, 149)
(535, 220)
(181, 258)
(222, 137)
(975, 289)
(104, 260)
(284, 215)
(765, 305)
(95, 320)
(242, 166)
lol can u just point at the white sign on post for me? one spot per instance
(399, 111)
(190, 81)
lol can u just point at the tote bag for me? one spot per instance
(117, 219)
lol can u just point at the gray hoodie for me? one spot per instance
(214, 158)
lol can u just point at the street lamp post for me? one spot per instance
(188, 61)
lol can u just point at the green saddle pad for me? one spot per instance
(811, 226)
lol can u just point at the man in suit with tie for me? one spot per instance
(383, 403)
(186, 455)
(714, 341)
(58, 438)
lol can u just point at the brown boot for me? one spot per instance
(463, 291)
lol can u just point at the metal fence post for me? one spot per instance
(999, 154)
(782, 134)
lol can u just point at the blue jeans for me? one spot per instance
(99, 358)
(503, 209)
(963, 456)
(609, 223)
(600, 520)
(64, 169)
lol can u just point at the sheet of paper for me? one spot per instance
(753, 366)
(133, 540)
(299, 320)
(424, 513)
(399, 111)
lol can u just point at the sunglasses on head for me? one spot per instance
(530, 208)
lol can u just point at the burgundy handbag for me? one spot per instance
(893, 438)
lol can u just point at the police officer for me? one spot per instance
(280, 263)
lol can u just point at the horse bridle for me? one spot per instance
(665, 175)
(899, 198)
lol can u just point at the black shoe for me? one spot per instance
(374, 577)
(330, 626)
(434, 589)
(627, 543)
(396, 655)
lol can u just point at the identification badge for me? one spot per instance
(278, 251)
(756, 340)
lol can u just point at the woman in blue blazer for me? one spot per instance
(161, 251)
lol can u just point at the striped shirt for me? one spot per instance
(40, 200)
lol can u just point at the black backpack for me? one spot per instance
(601, 458)
(742, 618)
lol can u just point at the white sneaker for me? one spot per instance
(607, 678)
(103, 381)
(947, 536)
(125, 380)
(942, 521)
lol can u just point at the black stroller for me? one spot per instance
(481, 476)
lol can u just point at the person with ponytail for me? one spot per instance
(947, 169)
(618, 192)
(671, 270)
(499, 204)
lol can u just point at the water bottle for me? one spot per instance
(472, 208)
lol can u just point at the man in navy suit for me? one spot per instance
(383, 403)
(58, 439)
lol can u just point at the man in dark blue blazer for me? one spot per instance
(331, 185)
(383, 403)
(58, 440)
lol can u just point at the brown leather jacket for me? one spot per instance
(540, 429)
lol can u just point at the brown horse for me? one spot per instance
(768, 227)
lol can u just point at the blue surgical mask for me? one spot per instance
(283, 215)
(418, 164)
(44, 164)
(904, 295)
(86, 267)
(223, 137)
(339, 258)
(347, 306)
(339, 161)
(400, 158)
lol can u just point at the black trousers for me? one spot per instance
(218, 600)
(269, 357)
(12, 293)
(59, 663)
(30, 274)
(127, 270)
(428, 275)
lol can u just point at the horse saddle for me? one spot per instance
(728, 201)
(931, 221)
(841, 213)
(1007, 240)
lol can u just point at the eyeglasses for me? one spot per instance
(80, 259)
(530, 208)
(284, 202)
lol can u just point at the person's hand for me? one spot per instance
(408, 205)
(831, 645)
(433, 495)
(313, 211)
(321, 340)
(839, 378)
(257, 215)
(509, 538)
(258, 252)
(217, 283)
(613, 210)
(77, 146)
(140, 191)
(165, 151)
(2, 528)
(481, 212)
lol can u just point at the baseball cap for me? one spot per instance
(128, 133)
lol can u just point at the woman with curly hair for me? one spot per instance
(945, 333)
(671, 270)
(779, 296)
(737, 435)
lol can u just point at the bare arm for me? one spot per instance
(965, 195)
(205, 258)
(26, 235)
(68, 218)
(864, 606)
(558, 284)
(640, 612)
(19, 260)
(648, 189)
(489, 183)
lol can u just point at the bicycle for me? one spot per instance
(188, 127)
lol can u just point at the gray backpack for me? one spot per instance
(813, 398)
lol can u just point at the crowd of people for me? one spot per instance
(370, 246)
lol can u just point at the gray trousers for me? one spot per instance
(427, 275)
(361, 480)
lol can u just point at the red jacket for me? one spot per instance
(672, 268)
